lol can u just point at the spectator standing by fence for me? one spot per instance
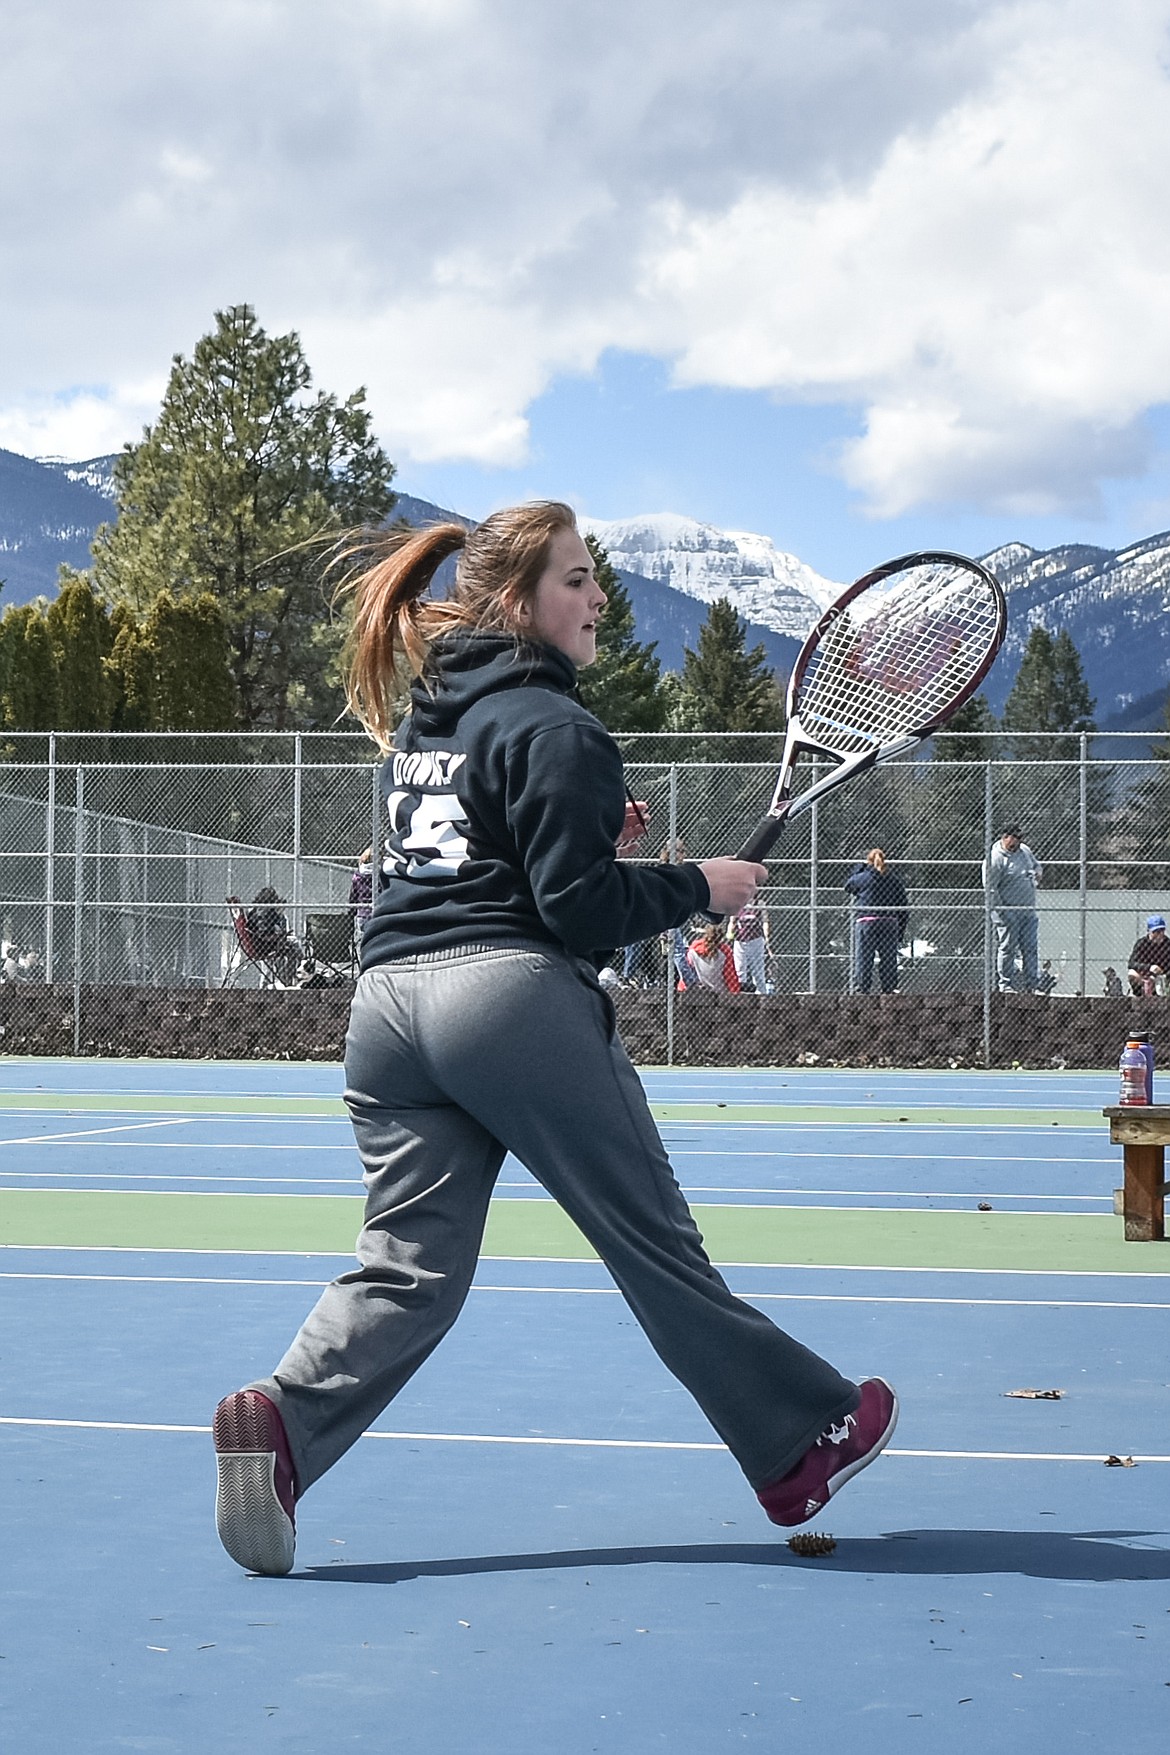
(880, 921)
(361, 889)
(749, 945)
(1011, 873)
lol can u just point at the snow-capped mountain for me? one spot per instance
(48, 514)
(1116, 607)
(767, 587)
(95, 472)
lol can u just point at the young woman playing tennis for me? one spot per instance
(478, 1027)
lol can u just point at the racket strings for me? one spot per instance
(897, 657)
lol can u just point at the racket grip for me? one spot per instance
(761, 841)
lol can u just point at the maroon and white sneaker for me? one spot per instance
(842, 1451)
(256, 1496)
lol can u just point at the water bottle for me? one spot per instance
(1146, 1044)
(1132, 1070)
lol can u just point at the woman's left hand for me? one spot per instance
(635, 827)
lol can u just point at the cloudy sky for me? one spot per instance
(859, 274)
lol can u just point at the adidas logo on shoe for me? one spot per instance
(842, 1451)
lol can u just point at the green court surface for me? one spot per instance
(1030, 1242)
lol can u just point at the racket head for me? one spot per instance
(896, 655)
(887, 664)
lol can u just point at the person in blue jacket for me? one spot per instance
(479, 1027)
(880, 921)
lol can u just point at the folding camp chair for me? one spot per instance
(268, 965)
(329, 947)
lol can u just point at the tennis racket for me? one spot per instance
(887, 664)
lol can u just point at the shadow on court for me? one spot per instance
(1088, 1555)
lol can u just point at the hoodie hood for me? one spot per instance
(462, 668)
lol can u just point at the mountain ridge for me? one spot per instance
(1115, 604)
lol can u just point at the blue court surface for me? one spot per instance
(541, 1546)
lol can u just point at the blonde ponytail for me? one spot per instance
(876, 858)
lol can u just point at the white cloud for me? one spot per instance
(80, 424)
(947, 212)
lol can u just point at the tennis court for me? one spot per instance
(541, 1546)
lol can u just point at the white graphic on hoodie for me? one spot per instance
(428, 838)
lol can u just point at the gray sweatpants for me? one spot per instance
(453, 1058)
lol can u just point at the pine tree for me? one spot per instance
(1049, 694)
(234, 492)
(79, 627)
(1041, 788)
(623, 687)
(724, 687)
(968, 736)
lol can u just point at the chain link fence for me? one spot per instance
(118, 856)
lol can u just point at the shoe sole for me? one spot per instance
(252, 1523)
(836, 1482)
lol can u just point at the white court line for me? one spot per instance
(79, 1136)
(786, 1267)
(351, 1182)
(1042, 1128)
(855, 1193)
(854, 1157)
(196, 1115)
(575, 1443)
(540, 1198)
(612, 1292)
(297, 1183)
(346, 1148)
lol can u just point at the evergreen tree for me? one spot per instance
(29, 666)
(171, 672)
(1049, 694)
(967, 737)
(724, 687)
(1041, 788)
(234, 492)
(79, 628)
(128, 673)
(1139, 838)
(623, 687)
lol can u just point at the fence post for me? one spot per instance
(1084, 861)
(375, 833)
(813, 877)
(298, 924)
(50, 851)
(78, 893)
(987, 952)
(189, 887)
(671, 972)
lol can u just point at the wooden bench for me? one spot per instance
(1143, 1132)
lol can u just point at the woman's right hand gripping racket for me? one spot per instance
(886, 665)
